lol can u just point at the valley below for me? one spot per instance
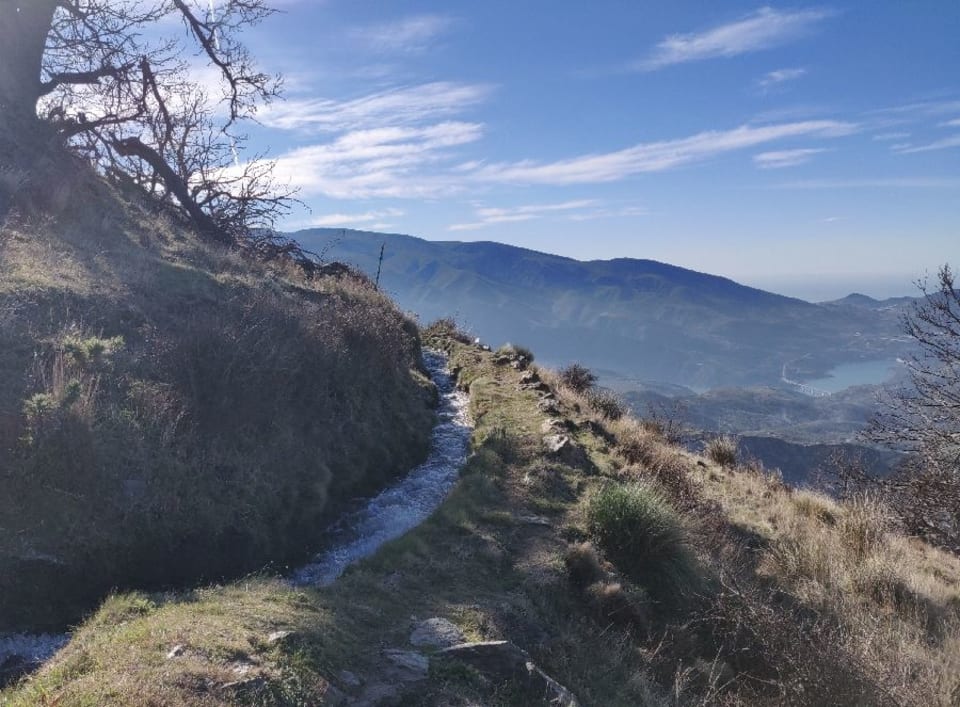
(796, 382)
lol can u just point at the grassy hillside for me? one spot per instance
(630, 571)
(171, 412)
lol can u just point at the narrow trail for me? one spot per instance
(408, 502)
(358, 533)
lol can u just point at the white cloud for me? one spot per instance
(378, 163)
(406, 105)
(655, 156)
(955, 123)
(763, 29)
(775, 78)
(490, 215)
(369, 217)
(786, 158)
(942, 144)
(410, 34)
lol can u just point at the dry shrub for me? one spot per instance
(613, 602)
(863, 525)
(584, 564)
(722, 450)
(641, 445)
(445, 329)
(606, 403)
(577, 378)
(816, 506)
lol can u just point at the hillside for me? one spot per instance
(172, 413)
(637, 318)
(579, 560)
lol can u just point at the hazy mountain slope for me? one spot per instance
(637, 317)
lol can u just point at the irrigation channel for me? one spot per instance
(359, 532)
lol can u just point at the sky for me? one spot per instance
(809, 149)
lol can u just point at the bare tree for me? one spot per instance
(923, 417)
(109, 77)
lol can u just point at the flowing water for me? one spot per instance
(357, 534)
(408, 502)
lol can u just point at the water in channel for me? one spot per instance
(409, 501)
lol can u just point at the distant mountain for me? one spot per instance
(856, 299)
(639, 318)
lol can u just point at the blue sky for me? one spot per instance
(810, 149)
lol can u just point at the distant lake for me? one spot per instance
(847, 375)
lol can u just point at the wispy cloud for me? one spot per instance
(763, 29)
(656, 156)
(486, 216)
(942, 144)
(876, 183)
(368, 217)
(775, 78)
(887, 137)
(622, 212)
(379, 163)
(405, 105)
(786, 158)
(407, 35)
(955, 123)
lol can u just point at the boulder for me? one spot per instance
(529, 377)
(566, 451)
(548, 407)
(279, 637)
(436, 633)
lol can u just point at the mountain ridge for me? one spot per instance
(638, 317)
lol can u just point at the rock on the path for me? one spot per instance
(504, 661)
(549, 407)
(565, 450)
(176, 651)
(529, 378)
(278, 637)
(436, 633)
(408, 666)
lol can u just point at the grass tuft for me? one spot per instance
(643, 536)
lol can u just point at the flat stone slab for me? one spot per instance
(506, 662)
(410, 665)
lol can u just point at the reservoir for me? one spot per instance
(847, 375)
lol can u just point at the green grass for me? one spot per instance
(644, 537)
